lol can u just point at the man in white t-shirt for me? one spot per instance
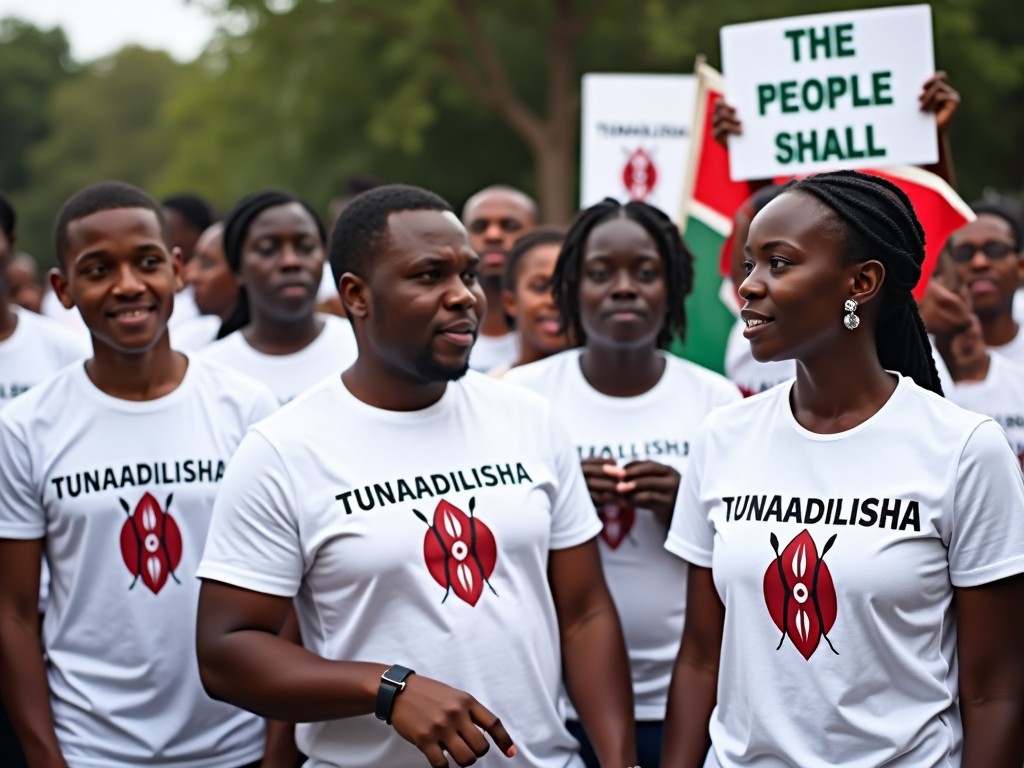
(495, 218)
(988, 262)
(111, 468)
(421, 518)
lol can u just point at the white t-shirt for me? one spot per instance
(122, 493)
(420, 539)
(195, 334)
(185, 308)
(491, 351)
(1012, 350)
(38, 348)
(331, 352)
(747, 373)
(1000, 395)
(1018, 305)
(863, 534)
(656, 426)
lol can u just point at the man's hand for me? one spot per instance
(938, 96)
(438, 719)
(945, 312)
(724, 123)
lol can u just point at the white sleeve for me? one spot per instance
(21, 506)
(691, 535)
(253, 541)
(264, 405)
(573, 517)
(987, 539)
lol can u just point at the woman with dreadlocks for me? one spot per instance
(274, 242)
(620, 283)
(856, 542)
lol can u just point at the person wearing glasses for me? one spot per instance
(987, 263)
(980, 267)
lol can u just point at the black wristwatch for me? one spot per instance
(391, 683)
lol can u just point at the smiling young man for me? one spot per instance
(495, 218)
(110, 468)
(423, 519)
(988, 260)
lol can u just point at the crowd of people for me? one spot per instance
(421, 488)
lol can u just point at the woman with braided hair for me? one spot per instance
(274, 243)
(620, 283)
(855, 541)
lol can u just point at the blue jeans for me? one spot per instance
(648, 743)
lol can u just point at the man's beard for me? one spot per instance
(427, 366)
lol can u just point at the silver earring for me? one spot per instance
(851, 320)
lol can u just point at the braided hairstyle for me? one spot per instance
(877, 221)
(236, 228)
(8, 218)
(677, 257)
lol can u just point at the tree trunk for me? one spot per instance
(554, 162)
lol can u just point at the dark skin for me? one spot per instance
(181, 234)
(281, 265)
(210, 275)
(623, 303)
(532, 306)
(118, 271)
(936, 96)
(988, 283)
(947, 314)
(421, 299)
(794, 251)
(495, 219)
(8, 320)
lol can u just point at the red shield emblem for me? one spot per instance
(460, 551)
(150, 542)
(640, 175)
(799, 593)
(618, 521)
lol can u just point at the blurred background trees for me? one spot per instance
(450, 94)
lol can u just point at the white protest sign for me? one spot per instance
(832, 90)
(635, 138)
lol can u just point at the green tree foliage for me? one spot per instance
(106, 123)
(32, 63)
(450, 94)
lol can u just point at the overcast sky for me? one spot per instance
(98, 27)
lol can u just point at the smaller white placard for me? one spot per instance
(635, 138)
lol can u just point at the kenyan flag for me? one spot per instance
(711, 197)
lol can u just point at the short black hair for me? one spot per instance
(8, 217)
(361, 231)
(506, 189)
(525, 244)
(664, 233)
(877, 221)
(1004, 212)
(192, 208)
(103, 196)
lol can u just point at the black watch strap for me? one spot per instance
(391, 683)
